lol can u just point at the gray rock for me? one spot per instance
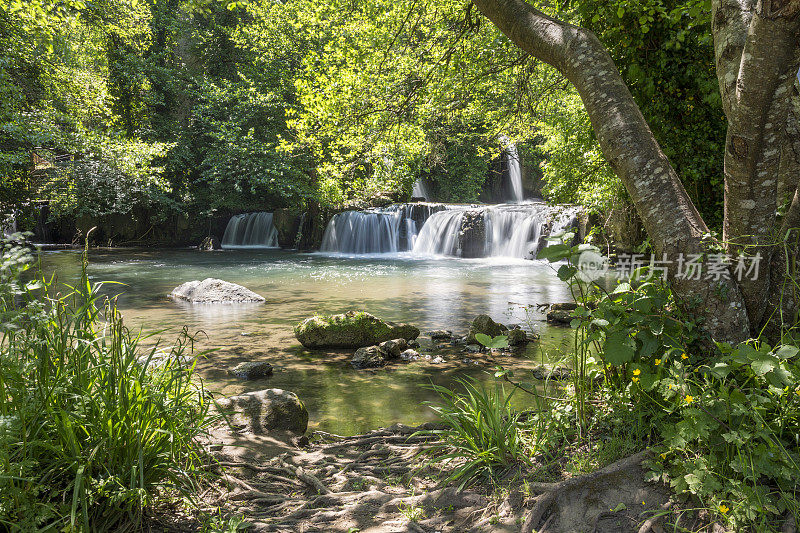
(473, 348)
(251, 370)
(212, 290)
(557, 374)
(350, 330)
(393, 348)
(413, 343)
(436, 360)
(265, 410)
(559, 316)
(409, 355)
(368, 357)
(440, 335)
(566, 306)
(517, 337)
(484, 324)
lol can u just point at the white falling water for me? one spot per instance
(382, 230)
(363, 232)
(439, 235)
(514, 173)
(420, 190)
(250, 230)
(508, 230)
(513, 232)
(9, 225)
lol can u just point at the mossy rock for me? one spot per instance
(484, 324)
(350, 330)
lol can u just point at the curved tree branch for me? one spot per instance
(672, 221)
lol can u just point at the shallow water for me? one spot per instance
(433, 293)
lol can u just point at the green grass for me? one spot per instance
(484, 435)
(92, 430)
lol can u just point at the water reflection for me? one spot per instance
(429, 293)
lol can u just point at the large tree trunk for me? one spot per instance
(756, 46)
(673, 223)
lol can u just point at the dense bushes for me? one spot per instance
(94, 428)
(722, 421)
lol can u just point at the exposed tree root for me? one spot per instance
(551, 491)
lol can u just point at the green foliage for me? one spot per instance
(93, 427)
(664, 51)
(501, 341)
(726, 423)
(484, 435)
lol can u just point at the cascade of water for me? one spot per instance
(9, 225)
(439, 235)
(514, 173)
(514, 232)
(389, 229)
(505, 230)
(420, 190)
(250, 230)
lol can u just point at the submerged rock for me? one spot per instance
(251, 370)
(517, 337)
(212, 290)
(368, 357)
(557, 374)
(350, 330)
(484, 324)
(393, 348)
(472, 348)
(440, 335)
(265, 410)
(559, 316)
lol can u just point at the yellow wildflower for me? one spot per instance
(670, 386)
(723, 508)
(684, 356)
(658, 362)
(688, 399)
(635, 380)
(637, 372)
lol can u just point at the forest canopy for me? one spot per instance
(162, 107)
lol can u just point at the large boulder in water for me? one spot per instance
(350, 330)
(265, 410)
(212, 290)
(484, 324)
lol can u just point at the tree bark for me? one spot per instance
(756, 46)
(671, 220)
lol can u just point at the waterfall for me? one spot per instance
(439, 235)
(389, 229)
(469, 231)
(420, 191)
(250, 230)
(515, 233)
(9, 225)
(514, 173)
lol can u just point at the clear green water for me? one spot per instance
(429, 293)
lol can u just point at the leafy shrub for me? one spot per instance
(726, 424)
(93, 428)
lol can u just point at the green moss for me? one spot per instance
(350, 330)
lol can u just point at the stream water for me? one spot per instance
(441, 293)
